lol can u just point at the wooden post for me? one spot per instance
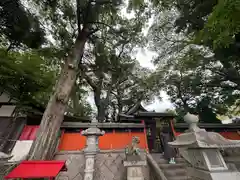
(153, 129)
(145, 135)
(173, 135)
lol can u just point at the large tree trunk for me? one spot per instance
(102, 104)
(54, 113)
(101, 113)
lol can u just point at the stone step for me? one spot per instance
(164, 161)
(179, 178)
(173, 166)
(157, 156)
(161, 155)
(175, 172)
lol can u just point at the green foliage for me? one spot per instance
(223, 24)
(135, 4)
(29, 78)
(19, 25)
(26, 77)
(107, 61)
(78, 105)
(198, 62)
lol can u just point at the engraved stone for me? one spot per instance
(134, 173)
(89, 162)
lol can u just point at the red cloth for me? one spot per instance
(36, 169)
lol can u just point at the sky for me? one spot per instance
(144, 56)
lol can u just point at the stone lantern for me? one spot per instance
(202, 150)
(92, 134)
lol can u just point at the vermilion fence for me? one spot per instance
(114, 140)
(230, 135)
(75, 141)
(29, 133)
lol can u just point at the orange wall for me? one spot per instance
(119, 140)
(230, 135)
(72, 142)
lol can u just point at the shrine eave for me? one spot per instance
(199, 144)
(102, 125)
(208, 126)
(125, 115)
(154, 115)
(147, 114)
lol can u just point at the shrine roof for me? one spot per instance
(137, 107)
(139, 111)
(233, 126)
(154, 114)
(146, 116)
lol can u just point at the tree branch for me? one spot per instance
(107, 25)
(78, 16)
(87, 78)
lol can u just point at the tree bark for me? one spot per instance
(54, 113)
(101, 112)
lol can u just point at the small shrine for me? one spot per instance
(153, 122)
(202, 150)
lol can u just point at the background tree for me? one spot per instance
(108, 62)
(71, 25)
(191, 56)
(29, 78)
(131, 89)
(18, 26)
(26, 77)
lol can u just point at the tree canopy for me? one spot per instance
(198, 53)
(55, 54)
(196, 42)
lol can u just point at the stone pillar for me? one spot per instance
(92, 134)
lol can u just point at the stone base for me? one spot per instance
(206, 175)
(133, 158)
(134, 173)
(134, 163)
(134, 169)
(225, 175)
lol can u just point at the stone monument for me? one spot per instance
(133, 161)
(92, 134)
(202, 150)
